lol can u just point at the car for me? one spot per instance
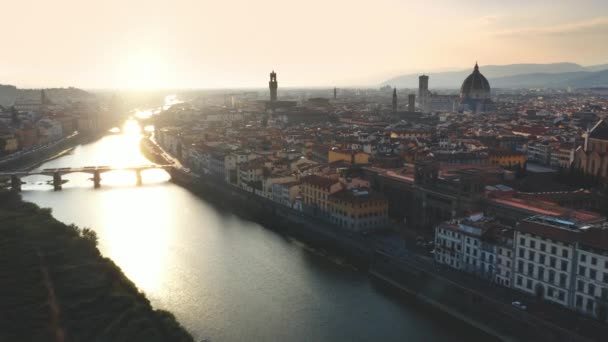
(519, 305)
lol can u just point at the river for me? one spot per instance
(224, 278)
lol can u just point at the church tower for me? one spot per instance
(395, 100)
(423, 94)
(273, 85)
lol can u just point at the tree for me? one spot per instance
(90, 236)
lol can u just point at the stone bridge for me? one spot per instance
(96, 171)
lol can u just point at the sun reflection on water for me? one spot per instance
(120, 210)
(116, 150)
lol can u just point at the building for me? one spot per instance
(564, 261)
(411, 103)
(477, 245)
(562, 156)
(287, 193)
(358, 209)
(560, 260)
(395, 100)
(475, 93)
(273, 86)
(591, 296)
(592, 157)
(349, 156)
(507, 159)
(540, 152)
(544, 251)
(315, 193)
(424, 94)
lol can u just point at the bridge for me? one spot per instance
(96, 171)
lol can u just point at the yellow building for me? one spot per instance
(10, 142)
(349, 156)
(507, 159)
(316, 191)
(358, 209)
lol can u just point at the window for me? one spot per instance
(565, 253)
(562, 279)
(564, 265)
(553, 250)
(591, 289)
(519, 280)
(593, 261)
(529, 284)
(582, 270)
(531, 256)
(550, 291)
(522, 241)
(579, 301)
(543, 246)
(580, 286)
(592, 273)
(541, 258)
(521, 252)
(605, 279)
(520, 266)
(541, 273)
(583, 257)
(604, 294)
(561, 295)
(530, 269)
(552, 261)
(551, 276)
(532, 244)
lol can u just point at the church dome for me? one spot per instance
(475, 87)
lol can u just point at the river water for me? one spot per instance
(224, 278)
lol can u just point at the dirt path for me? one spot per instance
(52, 299)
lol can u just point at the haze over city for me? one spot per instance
(388, 170)
(214, 44)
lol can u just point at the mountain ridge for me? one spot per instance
(553, 75)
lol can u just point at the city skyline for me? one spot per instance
(187, 44)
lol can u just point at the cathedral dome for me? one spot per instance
(475, 87)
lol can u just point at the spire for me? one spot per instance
(476, 67)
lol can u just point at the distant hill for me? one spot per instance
(581, 79)
(9, 93)
(557, 75)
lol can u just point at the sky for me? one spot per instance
(236, 43)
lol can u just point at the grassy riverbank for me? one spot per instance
(56, 286)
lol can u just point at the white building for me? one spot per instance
(478, 245)
(564, 261)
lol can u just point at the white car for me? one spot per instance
(519, 305)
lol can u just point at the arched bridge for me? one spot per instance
(96, 171)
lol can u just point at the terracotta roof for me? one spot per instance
(319, 181)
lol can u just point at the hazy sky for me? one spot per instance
(236, 43)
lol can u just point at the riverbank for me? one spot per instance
(475, 306)
(36, 158)
(57, 286)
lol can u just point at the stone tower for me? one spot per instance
(395, 100)
(411, 103)
(423, 93)
(273, 85)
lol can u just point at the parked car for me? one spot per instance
(519, 305)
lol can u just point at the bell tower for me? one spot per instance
(273, 85)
